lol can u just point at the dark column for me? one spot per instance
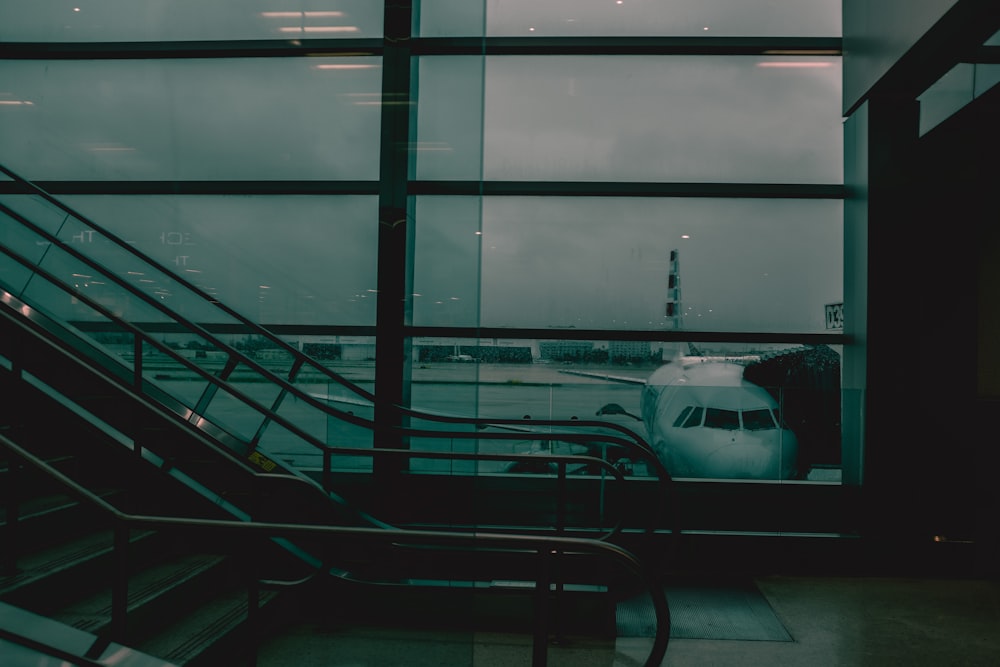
(930, 200)
(391, 349)
(898, 262)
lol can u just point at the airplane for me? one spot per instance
(467, 358)
(701, 417)
(705, 420)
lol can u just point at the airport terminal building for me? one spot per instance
(474, 267)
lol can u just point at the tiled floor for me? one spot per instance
(832, 621)
(863, 621)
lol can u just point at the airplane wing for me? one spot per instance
(606, 376)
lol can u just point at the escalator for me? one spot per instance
(96, 297)
(84, 356)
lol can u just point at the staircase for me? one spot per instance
(150, 515)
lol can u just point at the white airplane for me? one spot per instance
(705, 420)
(702, 419)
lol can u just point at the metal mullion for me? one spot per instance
(421, 187)
(664, 335)
(624, 45)
(391, 358)
(629, 189)
(265, 187)
(421, 46)
(240, 48)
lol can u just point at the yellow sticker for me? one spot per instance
(265, 463)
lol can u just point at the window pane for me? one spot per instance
(450, 118)
(192, 119)
(695, 419)
(662, 396)
(772, 119)
(176, 20)
(758, 420)
(447, 239)
(275, 260)
(604, 262)
(724, 419)
(714, 18)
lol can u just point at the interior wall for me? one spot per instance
(877, 34)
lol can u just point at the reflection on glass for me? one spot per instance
(605, 262)
(710, 18)
(274, 259)
(768, 119)
(193, 119)
(183, 20)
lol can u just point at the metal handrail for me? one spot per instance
(544, 547)
(328, 451)
(627, 438)
(580, 437)
(54, 652)
(630, 440)
(257, 329)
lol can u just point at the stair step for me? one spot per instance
(161, 590)
(48, 519)
(213, 634)
(37, 640)
(47, 578)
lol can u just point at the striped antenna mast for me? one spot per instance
(674, 314)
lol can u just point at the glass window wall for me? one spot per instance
(572, 212)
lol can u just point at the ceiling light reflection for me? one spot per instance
(345, 66)
(802, 52)
(795, 64)
(295, 15)
(441, 146)
(319, 28)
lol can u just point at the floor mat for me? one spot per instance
(730, 611)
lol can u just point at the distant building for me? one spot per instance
(565, 350)
(629, 350)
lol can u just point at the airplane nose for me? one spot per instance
(743, 461)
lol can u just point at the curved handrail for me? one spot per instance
(499, 543)
(207, 440)
(256, 328)
(629, 439)
(578, 436)
(328, 451)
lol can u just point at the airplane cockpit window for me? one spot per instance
(694, 419)
(758, 420)
(724, 419)
(684, 413)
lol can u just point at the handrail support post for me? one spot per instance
(119, 586)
